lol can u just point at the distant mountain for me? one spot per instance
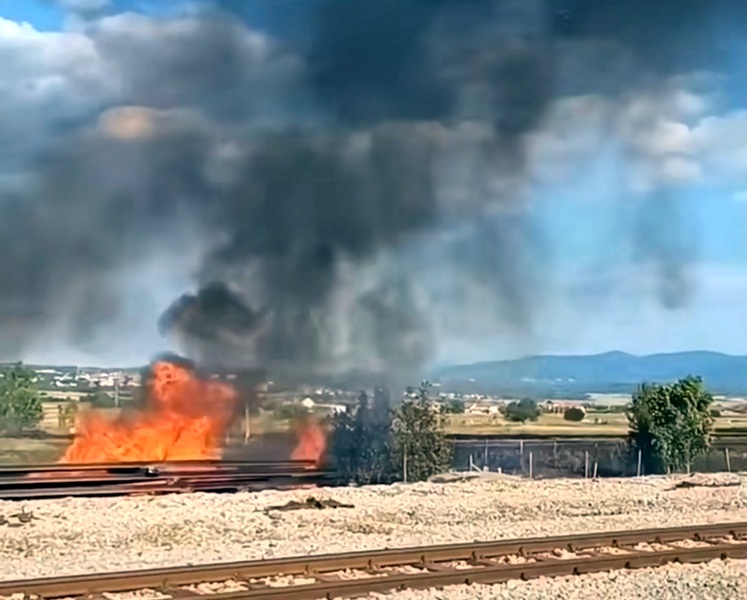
(610, 372)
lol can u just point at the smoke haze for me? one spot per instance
(356, 193)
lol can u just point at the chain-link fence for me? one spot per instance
(578, 458)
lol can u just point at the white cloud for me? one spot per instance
(45, 78)
(721, 143)
(84, 6)
(48, 79)
(659, 139)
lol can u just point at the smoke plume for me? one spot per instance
(316, 172)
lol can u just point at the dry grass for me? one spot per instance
(23, 451)
(554, 424)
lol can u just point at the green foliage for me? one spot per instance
(360, 443)
(525, 409)
(420, 448)
(20, 401)
(453, 407)
(291, 412)
(369, 444)
(715, 412)
(99, 399)
(575, 414)
(670, 424)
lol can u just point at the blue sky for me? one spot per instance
(600, 170)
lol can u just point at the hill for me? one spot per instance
(611, 372)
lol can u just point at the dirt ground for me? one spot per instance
(30, 450)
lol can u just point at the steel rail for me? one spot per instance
(50, 481)
(165, 485)
(124, 467)
(334, 575)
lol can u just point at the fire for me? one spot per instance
(312, 441)
(184, 418)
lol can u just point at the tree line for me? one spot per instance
(670, 425)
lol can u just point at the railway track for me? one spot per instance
(56, 480)
(351, 574)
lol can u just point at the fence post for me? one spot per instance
(638, 472)
(404, 465)
(586, 464)
(596, 464)
(531, 466)
(728, 460)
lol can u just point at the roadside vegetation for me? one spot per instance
(374, 443)
(670, 425)
(20, 402)
(378, 440)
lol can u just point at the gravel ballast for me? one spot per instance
(716, 580)
(85, 535)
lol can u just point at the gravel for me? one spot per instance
(84, 535)
(717, 580)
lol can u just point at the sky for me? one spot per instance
(627, 178)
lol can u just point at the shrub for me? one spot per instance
(670, 424)
(374, 444)
(521, 411)
(574, 413)
(420, 448)
(20, 402)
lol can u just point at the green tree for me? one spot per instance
(453, 407)
(361, 440)
(99, 399)
(20, 402)
(670, 424)
(369, 443)
(419, 447)
(575, 414)
(524, 410)
(291, 412)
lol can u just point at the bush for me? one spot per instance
(291, 412)
(99, 400)
(670, 424)
(575, 414)
(715, 412)
(20, 402)
(453, 407)
(420, 448)
(521, 411)
(374, 444)
(360, 443)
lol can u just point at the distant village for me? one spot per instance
(67, 379)
(67, 390)
(73, 384)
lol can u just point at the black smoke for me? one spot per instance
(310, 168)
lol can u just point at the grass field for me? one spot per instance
(29, 450)
(25, 450)
(554, 425)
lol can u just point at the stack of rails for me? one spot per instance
(26, 482)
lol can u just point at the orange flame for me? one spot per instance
(312, 441)
(185, 418)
